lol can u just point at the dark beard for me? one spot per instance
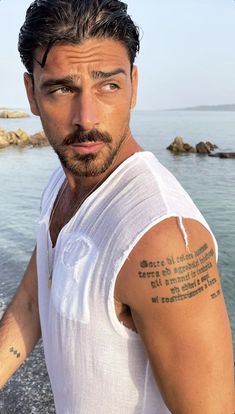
(87, 165)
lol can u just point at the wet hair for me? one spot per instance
(50, 22)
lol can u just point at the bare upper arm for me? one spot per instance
(175, 296)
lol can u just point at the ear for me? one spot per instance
(29, 86)
(134, 86)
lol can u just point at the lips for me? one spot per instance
(87, 147)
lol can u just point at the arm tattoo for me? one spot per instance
(185, 276)
(14, 352)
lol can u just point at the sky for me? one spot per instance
(187, 55)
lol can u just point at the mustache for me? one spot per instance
(81, 136)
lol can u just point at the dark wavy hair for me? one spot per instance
(73, 21)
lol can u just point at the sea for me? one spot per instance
(25, 171)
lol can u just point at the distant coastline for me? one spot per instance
(226, 107)
(13, 114)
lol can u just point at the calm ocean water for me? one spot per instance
(24, 173)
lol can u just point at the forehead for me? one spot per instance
(93, 54)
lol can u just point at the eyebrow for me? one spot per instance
(98, 74)
(66, 81)
(71, 79)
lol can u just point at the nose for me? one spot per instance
(85, 112)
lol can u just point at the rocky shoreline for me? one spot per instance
(21, 139)
(178, 146)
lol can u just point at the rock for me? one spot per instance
(3, 132)
(202, 148)
(23, 138)
(38, 140)
(223, 155)
(188, 148)
(13, 114)
(211, 146)
(178, 145)
(205, 147)
(12, 138)
(3, 142)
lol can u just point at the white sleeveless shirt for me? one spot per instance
(95, 364)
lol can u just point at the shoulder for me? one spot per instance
(174, 262)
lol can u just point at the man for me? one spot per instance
(123, 283)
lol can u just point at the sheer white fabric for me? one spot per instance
(95, 364)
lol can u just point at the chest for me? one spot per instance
(57, 222)
(62, 212)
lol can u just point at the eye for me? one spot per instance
(62, 91)
(110, 87)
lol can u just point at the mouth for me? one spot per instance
(87, 147)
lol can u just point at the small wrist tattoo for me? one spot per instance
(14, 351)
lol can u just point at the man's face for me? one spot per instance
(83, 96)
